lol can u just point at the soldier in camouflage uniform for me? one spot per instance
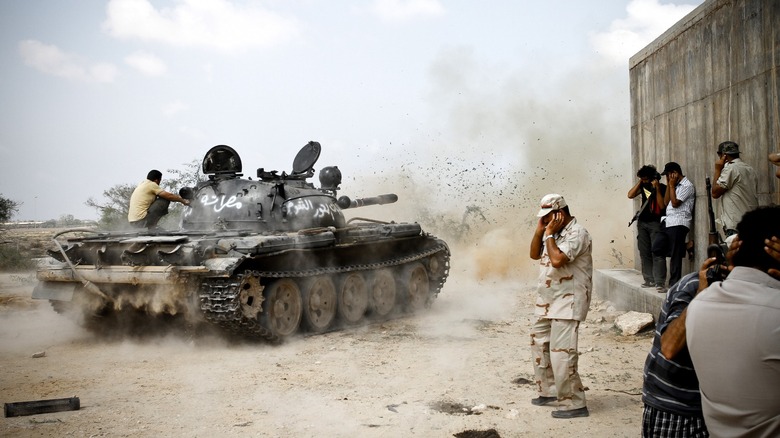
(563, 248)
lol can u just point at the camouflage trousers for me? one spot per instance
(554, 351)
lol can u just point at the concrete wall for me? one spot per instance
(712, 77)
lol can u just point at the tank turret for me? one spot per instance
(274, 202)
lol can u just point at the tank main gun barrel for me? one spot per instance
(344, 202)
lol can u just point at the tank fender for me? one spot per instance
(223, 265)
(253, 245)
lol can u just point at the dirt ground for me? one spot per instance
(461, 369)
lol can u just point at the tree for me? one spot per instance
(68, 220)
(113, 209)
(8, 208)
(189, 177)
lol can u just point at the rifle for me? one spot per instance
(717, 247)
(641, 209)
(714, 237)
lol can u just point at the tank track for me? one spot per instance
(219, 297)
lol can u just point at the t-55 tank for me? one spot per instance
(260, 258)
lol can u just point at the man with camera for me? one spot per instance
(736, 183)
(733, 333)
(652, 191)
(673, 404)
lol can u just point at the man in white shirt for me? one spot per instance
(679, 198)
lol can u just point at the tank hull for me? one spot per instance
(225, 278)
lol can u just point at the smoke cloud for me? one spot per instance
(499, 141)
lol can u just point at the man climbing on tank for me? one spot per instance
(149, 202)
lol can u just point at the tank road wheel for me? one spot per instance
(319, 303)
(353, 298)
(382, 292)
(282, 307)
(251, 296)
(437, 265)
(414, 282)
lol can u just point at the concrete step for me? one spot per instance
(622, 287)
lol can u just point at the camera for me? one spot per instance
(716, 272)
(657, 176)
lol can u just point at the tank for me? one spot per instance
(262, 258)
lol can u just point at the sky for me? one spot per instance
(450, 103)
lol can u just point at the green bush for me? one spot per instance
(14, 260)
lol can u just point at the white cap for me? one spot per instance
(551, 202)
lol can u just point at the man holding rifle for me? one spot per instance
(648, 218)
(736, 184)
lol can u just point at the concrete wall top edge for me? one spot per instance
(675, 31)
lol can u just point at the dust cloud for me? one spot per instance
(500, 141)
(34, 327)
(473, 176)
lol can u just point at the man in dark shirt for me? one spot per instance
(671, 389)
(650, 187)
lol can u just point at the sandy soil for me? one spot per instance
(461, 369)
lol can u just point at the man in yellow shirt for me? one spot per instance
(149, 202)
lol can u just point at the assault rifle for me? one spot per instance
(714, 237)
(641, 209)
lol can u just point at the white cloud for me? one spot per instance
(646, 21)
(208, 70)
(51, 60)
(194, 134)
(146, 63)
(173, 108)
(213, 24)
(402, 10)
